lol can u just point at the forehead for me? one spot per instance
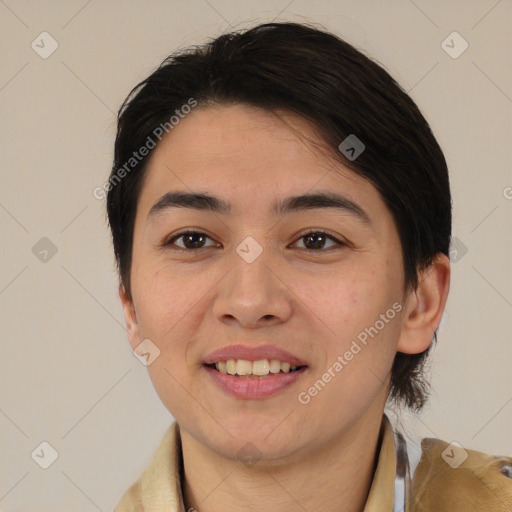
(249, 156)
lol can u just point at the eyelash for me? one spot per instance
(175, 237)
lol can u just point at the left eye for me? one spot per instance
(317, 238)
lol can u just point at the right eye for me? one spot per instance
(192, 240)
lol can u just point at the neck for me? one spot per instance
(338, 476)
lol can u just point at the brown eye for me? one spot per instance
(315, 240)
(190, 240)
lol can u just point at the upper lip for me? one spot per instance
(251, 353)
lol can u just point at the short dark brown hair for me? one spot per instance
(327, 81)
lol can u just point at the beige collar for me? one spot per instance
(381, 495)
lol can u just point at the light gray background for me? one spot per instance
(67, 373)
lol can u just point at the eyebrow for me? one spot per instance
(207, 202)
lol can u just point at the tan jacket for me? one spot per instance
(442, 482)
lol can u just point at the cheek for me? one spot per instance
(166, 299)
(356, 316)
(359, 349)
(343, 303)
(170, 309)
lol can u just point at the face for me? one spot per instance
(322, 281)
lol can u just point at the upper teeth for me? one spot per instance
(260, 367)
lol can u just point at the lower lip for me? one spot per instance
(243, 387)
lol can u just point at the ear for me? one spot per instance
(130, 316)
(424, 307)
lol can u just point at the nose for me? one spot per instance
(254, 294)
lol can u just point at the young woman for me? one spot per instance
(281, 220)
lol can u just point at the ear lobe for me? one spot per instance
(130, 316)
(424, 307)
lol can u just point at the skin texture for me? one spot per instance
(312, 302)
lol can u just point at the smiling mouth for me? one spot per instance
(260, 369)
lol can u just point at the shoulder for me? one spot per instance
(452, 478)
